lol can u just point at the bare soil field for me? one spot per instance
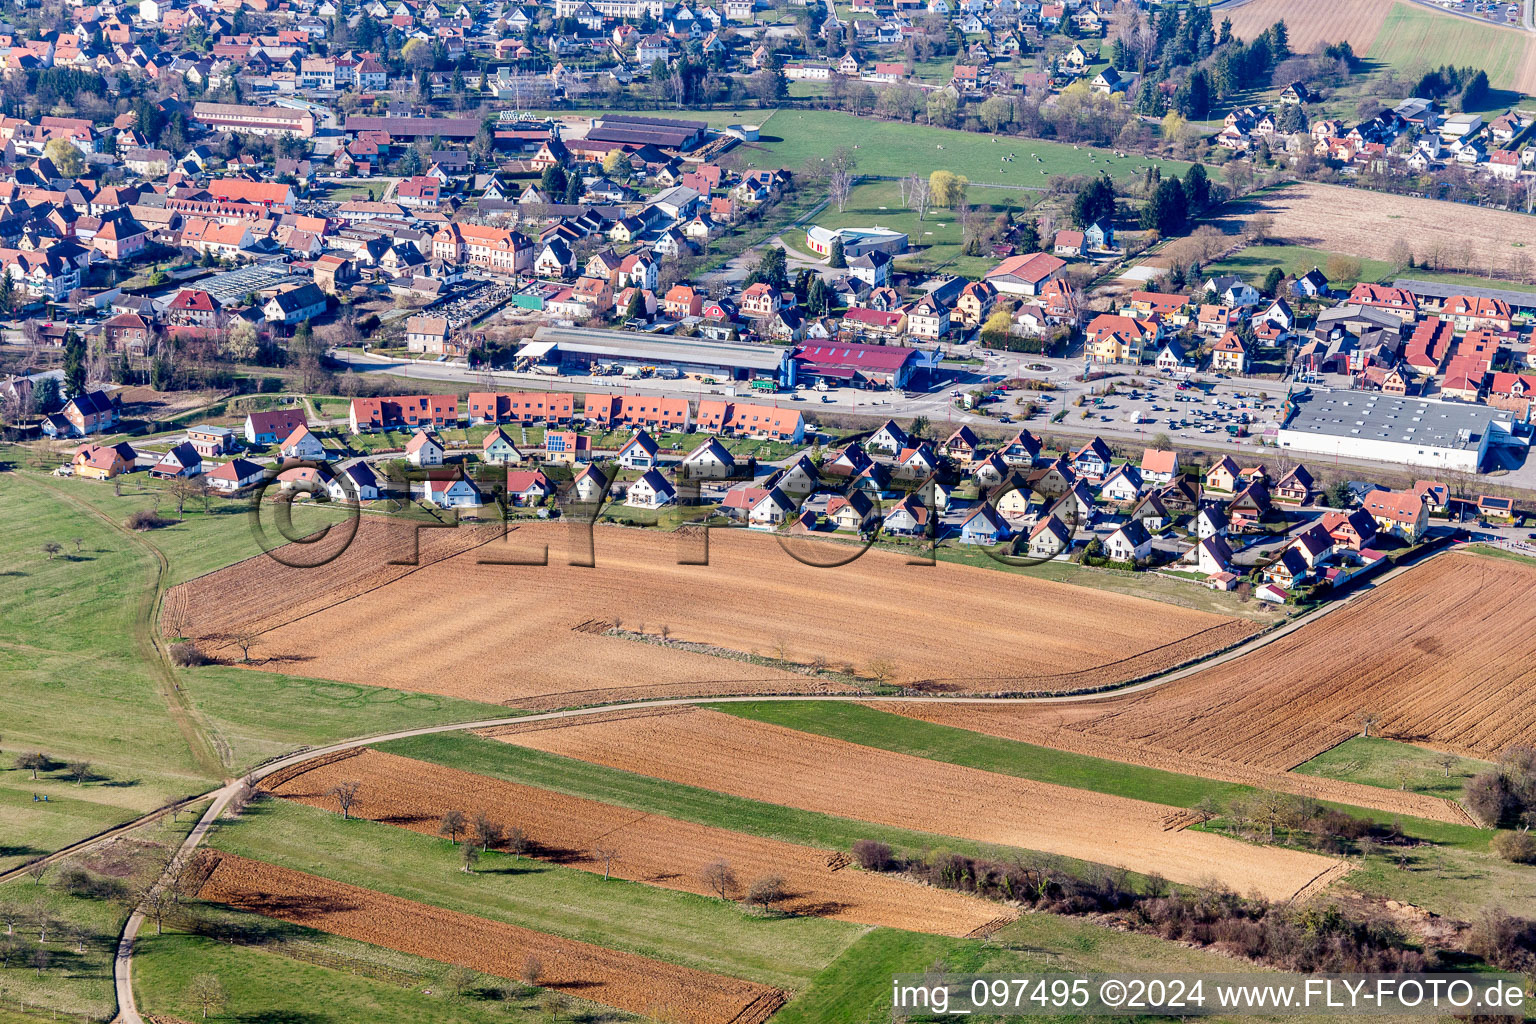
(536, 635)
(1438, 653)
(1367, 224)
(1040, 727)
(1310, 23)
(782, 766)
(648, 987)
(654, 849)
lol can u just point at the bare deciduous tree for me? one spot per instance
(765, 892)
(881, 670)
(451, 825)
(839, 187)
(345, 795)
(918, 195)
(487, 833)
(470, 855)
(720, 878)
(207, 991)
(531, 972)
(606, 854)
(32, 761)
(1446, 763)
(244, 638)
(52, 549)
(516, 842)
(1368, 721)
(79, 770)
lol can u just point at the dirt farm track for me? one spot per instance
(758, 761)
(539, 636)
(1429, 652)
(652, 848)
(648, 987)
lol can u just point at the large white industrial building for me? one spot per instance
(1388, 428)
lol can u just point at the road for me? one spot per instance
(122, 970)
(1111, 421)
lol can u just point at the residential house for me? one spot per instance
(424, 449)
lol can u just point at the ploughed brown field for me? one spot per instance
(534, 635)
(782, 766)
(1043, 726)
(639, 984)
(1310, 23)
(651, 848)
(1441, 653)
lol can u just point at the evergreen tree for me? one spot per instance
(837, 261)
(1093, 202)
(1168, 211)
(74, 365)
(573, 189)
(1272, 282)
(1029, 235)
(1197, 190)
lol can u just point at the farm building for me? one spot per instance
(1387, 428)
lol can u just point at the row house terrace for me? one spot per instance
(404, 411)
(520, 407)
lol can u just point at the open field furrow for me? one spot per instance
(779, 765)
(509, 633)
(1431, 654)
(623, 980)
(1310, 23)
(651, 848)
(1045, 729)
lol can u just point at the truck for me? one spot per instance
(669, 373)
(548, 369)
(630, 370)
(1237, 430)
(765, 384)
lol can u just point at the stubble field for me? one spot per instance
(626, 981)
(782, 766)
(1369, 224)
(1437, 654)
(651, 848)
(536, 635)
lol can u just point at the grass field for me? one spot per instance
(1253, 262)
(1415, 40)
(76, 686)
(83, 939)
(664, 924)
(892, 149)
(73, 684)
(1377, 762)
(936, 239)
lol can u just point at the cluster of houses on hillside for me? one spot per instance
(1414, 135)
